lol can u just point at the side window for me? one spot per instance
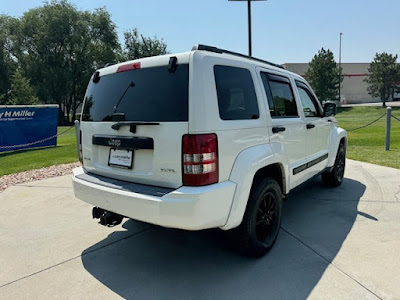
(237, 98)
(308, 102)
(280, 96)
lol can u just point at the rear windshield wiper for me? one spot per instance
(132, 125)
(131, 84)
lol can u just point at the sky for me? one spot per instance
(284, 31)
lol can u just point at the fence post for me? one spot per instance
(388, 120)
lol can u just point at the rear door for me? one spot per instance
(318, 129)
(133, 121)
(288, 128)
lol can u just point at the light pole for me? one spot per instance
(249, 17)
(340, 64)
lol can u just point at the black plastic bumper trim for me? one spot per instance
(124, 185)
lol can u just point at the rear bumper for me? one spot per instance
(190, 208)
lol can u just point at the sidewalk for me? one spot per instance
(388, 103)
(334, 243)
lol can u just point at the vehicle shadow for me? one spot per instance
(161, 263)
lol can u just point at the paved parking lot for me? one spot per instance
(335, 243)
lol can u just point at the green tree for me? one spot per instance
(59, 47)
(21, 91)
(323, 75)
(7, 64)
(383, 74)
(138, 46)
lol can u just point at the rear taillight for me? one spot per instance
(78, 133)
(199, 159)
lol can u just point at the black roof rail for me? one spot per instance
(219, 50)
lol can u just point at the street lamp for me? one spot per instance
(340, 63)
(249, 16)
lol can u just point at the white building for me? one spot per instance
(353, 87)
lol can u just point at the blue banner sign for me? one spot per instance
(32, 126)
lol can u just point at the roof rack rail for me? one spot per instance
(219, 50)
(109, 64)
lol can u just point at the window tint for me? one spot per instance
(308, 101)
(280, 96)
(237, 98)
(155, 95)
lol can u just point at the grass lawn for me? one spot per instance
(365, 144)
(25, 160)
(368, 144)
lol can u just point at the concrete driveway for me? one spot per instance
(339, 243)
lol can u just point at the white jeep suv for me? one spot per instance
(203, 139)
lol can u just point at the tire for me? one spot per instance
(334, 178)
(261, 222)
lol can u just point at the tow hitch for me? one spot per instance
(107, 218)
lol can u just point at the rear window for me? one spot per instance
(237, 98)
(149, 95)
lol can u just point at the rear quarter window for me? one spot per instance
(237, 98)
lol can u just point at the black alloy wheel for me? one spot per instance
(335, 176)
(341, 162)
(261, 222)
(267, 219)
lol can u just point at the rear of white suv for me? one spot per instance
(139, 159)
(203, 139)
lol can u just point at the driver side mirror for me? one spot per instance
(329, 109)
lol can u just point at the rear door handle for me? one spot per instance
(309, 126)
(278, 129)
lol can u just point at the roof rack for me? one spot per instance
(219, 50)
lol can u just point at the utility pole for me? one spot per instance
(340, 65)
(249, 19)
(249, 23)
